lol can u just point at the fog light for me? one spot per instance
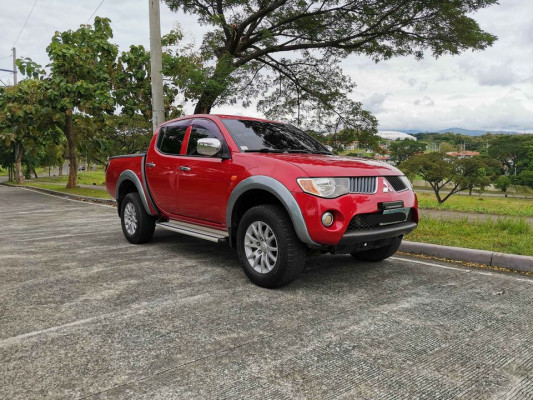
(327, 219)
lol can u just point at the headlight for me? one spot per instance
(325, 187)
(407, 182)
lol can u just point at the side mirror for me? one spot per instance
(328, 147)
(208, 147)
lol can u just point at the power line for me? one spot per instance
(94, 12)
(25, 22)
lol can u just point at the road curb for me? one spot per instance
(70, 196)
(491, 258)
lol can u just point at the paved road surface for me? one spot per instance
(84, 314)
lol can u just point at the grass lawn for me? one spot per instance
(506, 235)
(60, 187)
(84, 178)
(487, 205)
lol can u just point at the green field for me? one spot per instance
(59, 187)
(506, 235)
(84, 178)
(486, 205)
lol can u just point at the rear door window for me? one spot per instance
(171, 137)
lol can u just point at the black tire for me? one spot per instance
(138, 226)
(290, 253)
(380, 253)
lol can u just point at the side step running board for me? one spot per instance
(202, 232)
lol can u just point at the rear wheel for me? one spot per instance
(379, 253)
(269, 250)
(137, 226)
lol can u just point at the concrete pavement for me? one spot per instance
(84, 314)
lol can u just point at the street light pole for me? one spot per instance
(156, 65)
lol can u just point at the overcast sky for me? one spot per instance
(488, 90)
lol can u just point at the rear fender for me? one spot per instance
(129, 175)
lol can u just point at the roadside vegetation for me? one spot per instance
(60, 187)
(505, 235)
(84, 178)
(504, 206)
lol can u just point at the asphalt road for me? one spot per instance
(84, 314)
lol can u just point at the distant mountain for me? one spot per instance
(461, 131)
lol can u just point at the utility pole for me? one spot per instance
(14, 66)
(18, 176)
(14, 70)
(156, 65)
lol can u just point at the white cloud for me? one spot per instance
(375, 102)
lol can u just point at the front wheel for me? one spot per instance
(269, 250)
(138, 226)
(379, 253)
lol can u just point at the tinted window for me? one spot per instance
(257, 135)
(202, 129)
(171, 137)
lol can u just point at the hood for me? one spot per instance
(318, 165)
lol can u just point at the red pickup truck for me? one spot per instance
(266, 188)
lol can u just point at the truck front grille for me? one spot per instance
(363, 184)
(397, 183)
(365, 222)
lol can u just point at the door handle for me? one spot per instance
(183, 168)
(150, 164)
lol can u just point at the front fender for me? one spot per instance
(283, 194)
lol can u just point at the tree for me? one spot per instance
(401, 150)
(471, 173)
(7, 159)
(132, 84)
(81, 68)
(439, 170)
(525, 178)
(24, 119)
(253, 45)
(502, 182)
(514, 152)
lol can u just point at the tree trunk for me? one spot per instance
(19, 176)
(222, 71)
(60, 168)
(34, 173)
(205, 103)
(71, 140)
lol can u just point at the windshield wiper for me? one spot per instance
(309, 151)
(265, 150)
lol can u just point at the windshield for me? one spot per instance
(271, 137)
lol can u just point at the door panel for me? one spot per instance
(203, 181)
(162, 166)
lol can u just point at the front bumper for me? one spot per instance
(344, 208)
(353, 241)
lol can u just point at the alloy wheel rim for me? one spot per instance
(261, 247)
(130, 218)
